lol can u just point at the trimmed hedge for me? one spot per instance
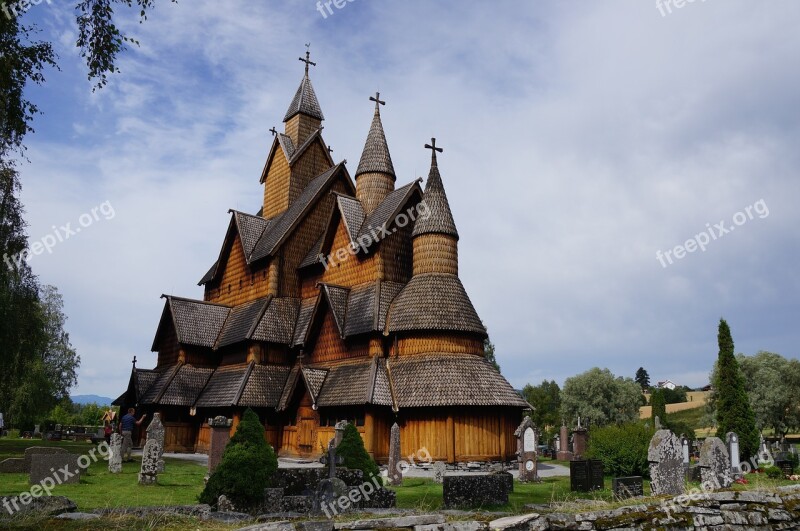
(622, 448)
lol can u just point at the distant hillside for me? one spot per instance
(89, 399)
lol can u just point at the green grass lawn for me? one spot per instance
(180, 484)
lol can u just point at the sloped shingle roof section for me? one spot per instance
(196, 322)
(284, 223)
(313, 254)
(314, 379)
(186, 386)
(346, 385)
(361, 310)
(304, 102)
(209, 275)
(337, 298)
(241, 322)
(287, 145)
(388, 210)
(160, 382)
(375, 158)
(440, 218)
(223, 386)
(450, 380)
(264, 387)
(352, 214)
(389, 291)
(250, 230)
(289, 387)
(277, 322)
(434, 301)
(381, 394)
(144, 379)
(304, 316)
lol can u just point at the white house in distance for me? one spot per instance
(667, 384)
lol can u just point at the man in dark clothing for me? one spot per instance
(126, 425)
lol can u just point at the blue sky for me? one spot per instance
(580, 139)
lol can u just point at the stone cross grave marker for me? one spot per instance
(155, 431)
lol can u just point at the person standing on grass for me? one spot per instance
(126, 426)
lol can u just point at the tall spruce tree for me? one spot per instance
(734, 413)
(658, 405)
(642, 378)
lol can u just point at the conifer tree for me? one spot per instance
(658, 405)
(355, 456)
(734, 413)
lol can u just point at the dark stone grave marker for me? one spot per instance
(628, 487)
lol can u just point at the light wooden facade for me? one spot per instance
(338, 300)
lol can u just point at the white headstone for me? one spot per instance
(558, 444)
(685, 451)
(733, 449)
(529, 440)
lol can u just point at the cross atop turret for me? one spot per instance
(308, 60)
(378, 102)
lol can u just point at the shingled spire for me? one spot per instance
(375, 175)
(304, 115)
(440, 220)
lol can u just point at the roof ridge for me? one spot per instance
(243, 384)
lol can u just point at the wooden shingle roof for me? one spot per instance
(440, 218)
(196, 323)
(278, 320)
(223, 386)
(375, 157)
(304, 317)
(305, 102)
(450, 380)
(185, 386)
(434, 301)
(242, 322)
(264, 387)
(386, 213)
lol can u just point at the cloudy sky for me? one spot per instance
(581, 139)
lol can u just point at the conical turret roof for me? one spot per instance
(440, 219)
(376, 158)
(305, 99)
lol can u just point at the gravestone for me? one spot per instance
(564, 454)
(628, 487)
(340, 426)
(686, 460)
(715, 465)
(224, 505)
(733, 451)
(526, 450)
(439, 469)
(61, 468)
(395, 475)
(327, 498)
(586, 475)
(579, 438)
(665, 455)
(148, 474)
(155, 431)
(474, 491)
(115, 454)
(22, 465)
(220, 427)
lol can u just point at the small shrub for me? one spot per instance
(247, 467)
(355, 455)
(622, 449)
(773, 472)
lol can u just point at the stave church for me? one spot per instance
(338, 300)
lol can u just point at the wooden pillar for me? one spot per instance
(502, 437)
(451, 438)
(235, 424)
(369, 433)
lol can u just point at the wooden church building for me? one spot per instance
(339, 300)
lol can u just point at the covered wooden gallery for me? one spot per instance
(337, 300)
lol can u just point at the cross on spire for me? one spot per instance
(330, 149)
(434, 149)
(378, 102)
(134, 362)
(273, 131)
(307, 60)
